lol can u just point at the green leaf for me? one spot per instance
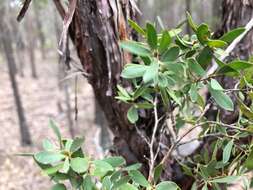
(249, 161)
(247, 112)
(195, 67)
(205, 57)
(77, 143)
(174, 96)
(133, 167)
(79, 165)
(216, 43)
(165, 96)
(157, 172)
(151, 36)
(53, 126)
(115, 161)
(167, 185)
(47, 157)
(215, 85)
(203, 33)
(227, 151)
(164, 42)
(67, 144)
(59, 186)
(222, 99)
(135, 48)
(132, 114)
(128, 187)
(151, 73)
(66, 166)
(240, 65)
(136, 27)
(171, 54)
(232, 35)
(101, 168)
(122, 91)
(138, 178)
(175, 32)
(47, 145)
(227, 179)
(193, 93)
(144, 105)
(87, 183)
(122, 181)
(139, 92)
(162, 80)
(131, 71)
(191, 22)
(235, 67)
(52, 170)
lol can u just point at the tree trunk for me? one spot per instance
(7, 46)
(31, 46)
(235, 13)
(101, 122)
(96, 29)
(188, 9)
(39, 29)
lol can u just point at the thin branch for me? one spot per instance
(23, 10)
(152, 155)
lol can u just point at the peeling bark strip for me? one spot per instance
(66, 23)
(23, 10)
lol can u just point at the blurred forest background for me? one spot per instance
(34, 86)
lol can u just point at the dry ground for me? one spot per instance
(40, 97)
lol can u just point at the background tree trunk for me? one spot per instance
(31, 45)
(235, 13)
(39, 28)
(7, 46)
(188, 9)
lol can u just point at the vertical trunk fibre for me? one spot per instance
(7, 46)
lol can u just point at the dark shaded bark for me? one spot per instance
(7, 46)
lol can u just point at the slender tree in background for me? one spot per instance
(188, 9)
(31, 44)
(8, 50)
(37, 6)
